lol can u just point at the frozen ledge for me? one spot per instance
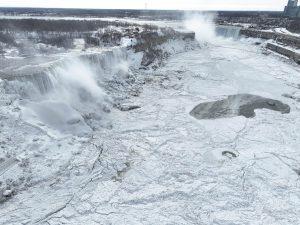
(286, 51)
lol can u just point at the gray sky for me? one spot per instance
(152, 4)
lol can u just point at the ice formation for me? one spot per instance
(95, 136)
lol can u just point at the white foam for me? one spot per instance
(55, 117)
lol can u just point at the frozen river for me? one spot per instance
(159, 165)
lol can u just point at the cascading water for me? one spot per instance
(203, 26)
(69, 93)
(228, 31)
(206, 30)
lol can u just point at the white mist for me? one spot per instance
(203, 25)
(75, 82)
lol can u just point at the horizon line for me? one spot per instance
(207, 10)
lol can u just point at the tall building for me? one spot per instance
(292, 9)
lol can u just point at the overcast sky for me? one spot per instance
(152, 4)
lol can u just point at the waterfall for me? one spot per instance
(203, 24)
(44, 79)
(228, 31)
(68, 95)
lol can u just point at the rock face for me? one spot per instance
(237, 105)
(281, 38)
(149, 43)
(284, 51)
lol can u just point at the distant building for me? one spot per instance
(292, 9)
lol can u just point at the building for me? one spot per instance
(292, 9)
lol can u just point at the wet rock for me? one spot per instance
(292, 54)
(288, 96)
(237, 105)
(125, 108)
(121, 172)
(285, 39)
(295, 96)
(7, 193)
(1, 51)
(73, 121)
(297, 171)
(229, 154)
(151, 55)
(149, 41)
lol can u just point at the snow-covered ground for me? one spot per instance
(157, 164)
(285, 31)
